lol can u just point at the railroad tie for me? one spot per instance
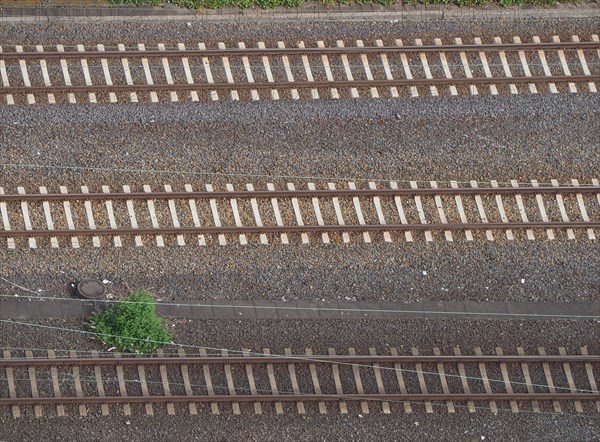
(583, 210)
(256, 213)
(174, 217)
(77, 382)
(252, 382)
(401, 214)
(327, 67)
(315, 381)
(188, 73)
(425, 64)
(194, 212)
(507, 384)
(60, 409)
(294, 381)
(5, 82)
(214, 408)
(400, 378)
(335, 369)
(132, 217)
(100, 385)
(48, 216)
(314, 93)
(33, 382)
(446, 67)
(528, 382)
(273, 383)
(563, 212)
(228, 74)
(107, 77)
(421, 211)
(379, 211)
(590, 374)
(386, 68)
(385, 405)
(230, 386)
(565, 65)
(122, 385)
(486, 381)
(507, 73)
(549, 380)
(45, 75)
(364, 405)
(168, 75)
(461, 211)
(443, 380)
(25, 75)
(144, 387)
(165, 383)
(10, 379)
(422, 383)
(86, 75)
(525, 66)
(186, 383)
(464, 380)
(542, 56)
(90, 214)
(502, 212)
(569, 375)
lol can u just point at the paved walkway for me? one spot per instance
(30, 308)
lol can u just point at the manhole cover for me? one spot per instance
(91, 289)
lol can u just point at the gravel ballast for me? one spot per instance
(480, 138)
(483, 138)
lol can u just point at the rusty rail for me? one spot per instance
(300, 229)
(248, 52)
(297, 84)
(286, 359)
(300, 397)
(584, 189)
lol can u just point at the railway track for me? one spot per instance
(334, 213)
(392, 69)
(300, 383)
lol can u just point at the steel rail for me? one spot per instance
(285, 359)
(584, 189)
(296, 84)
(301, 397)
(300, 229)
(228, 52)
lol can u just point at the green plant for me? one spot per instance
(244, 4)
(291, 3)
(267, 4)
(132, 325)
(214, 4)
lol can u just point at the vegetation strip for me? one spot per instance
(270, 4)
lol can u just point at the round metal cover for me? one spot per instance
(91, 289)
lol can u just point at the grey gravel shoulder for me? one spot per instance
(477, 427)
(194, 31)
(412, 272)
